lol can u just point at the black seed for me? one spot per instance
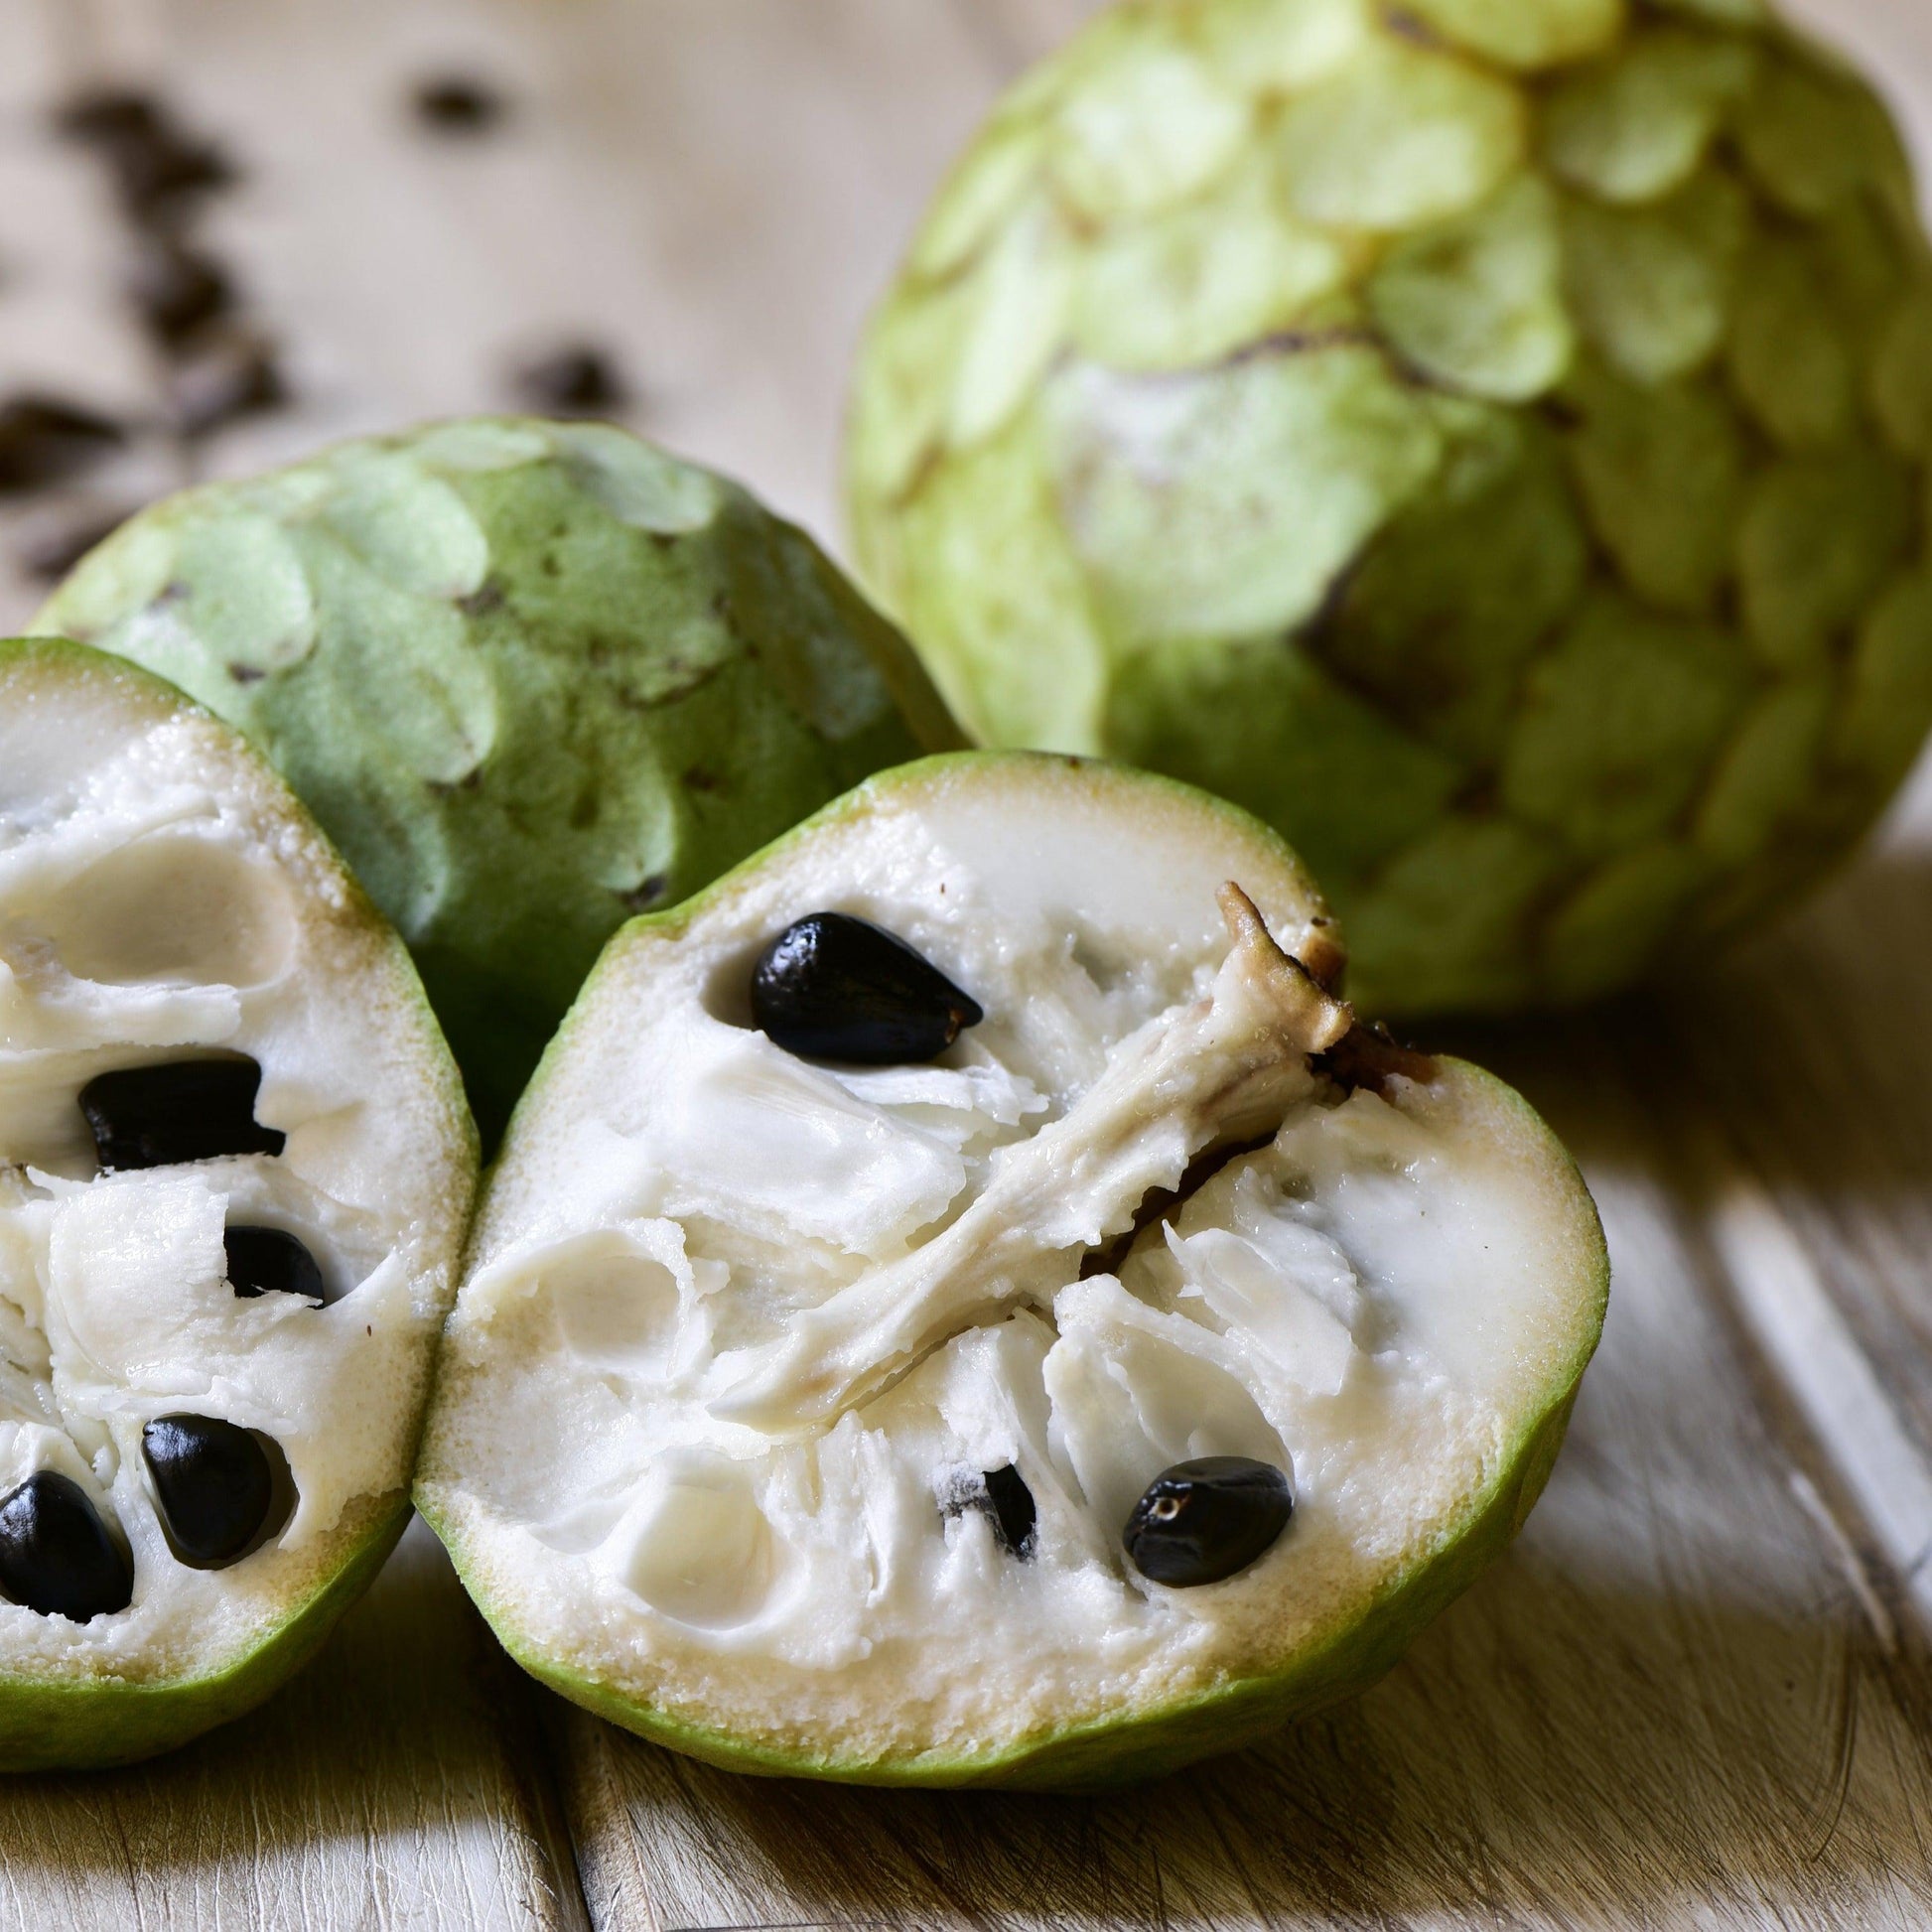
(174, 1112)
(835, 988)
(575, 380)
(176, 289)
(271, 1261)
(55, 1554)
(1009, 1504)
(1202, 1521)
(44, 441)
(216, 1485)
(459, 105)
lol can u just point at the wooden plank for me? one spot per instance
(1695, 1693)
(399, 1782)
(1678, 1698)
(715, 193)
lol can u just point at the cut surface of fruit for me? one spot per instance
(1137, 1372)
(235, 1171)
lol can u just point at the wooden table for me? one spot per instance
(1700, 1690)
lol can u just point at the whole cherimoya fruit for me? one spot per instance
(1485, 438)
(236, 1176)
(1008, 1323)
(531, 677)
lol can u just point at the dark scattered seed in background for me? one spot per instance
(156, 181)
(176, 289)
(104, 116)
(459, 103)
(52, 551)
(223, 371)
(158, 167)
(43, 439)
(575, 380)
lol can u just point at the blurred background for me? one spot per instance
(232, 230)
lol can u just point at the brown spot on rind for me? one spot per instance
(647, 893)
(480, 603)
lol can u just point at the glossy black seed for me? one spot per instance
(1202, 1521)
(216, 1485)
(55, 1554)
(832, 987)
(1009, 1503)
(178, 1111)
(271, 1261)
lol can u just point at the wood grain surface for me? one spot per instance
(1699, 1690)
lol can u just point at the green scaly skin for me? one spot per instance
(80, 1723)
(1350, 1657)
(531, 677)
(84, 1724)
(1486, 438)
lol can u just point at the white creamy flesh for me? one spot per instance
(162, 899)
(741, 1330)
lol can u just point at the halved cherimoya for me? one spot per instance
(235, 1169)
(963, 1302)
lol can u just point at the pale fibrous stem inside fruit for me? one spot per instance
(1224, 1069)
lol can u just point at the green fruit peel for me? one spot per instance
(174, 929)
(532, 678)
(1486, 441)
(862, 1367)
